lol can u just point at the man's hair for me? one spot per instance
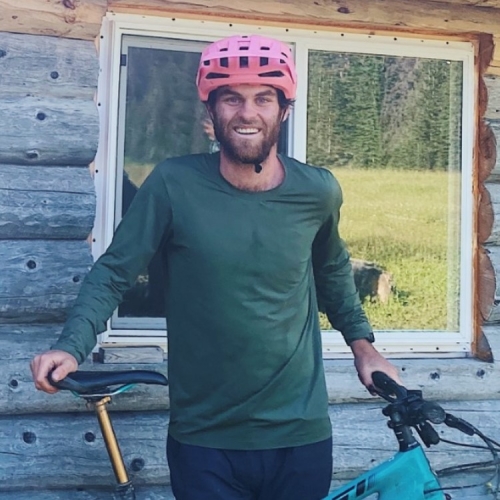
(283, 102)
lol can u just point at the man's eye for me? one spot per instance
(263, 100)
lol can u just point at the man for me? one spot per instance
(252, 249)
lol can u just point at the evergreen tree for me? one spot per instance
(163, 114)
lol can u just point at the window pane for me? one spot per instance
(163, 118)
(389, 128)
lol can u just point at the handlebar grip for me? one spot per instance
(388, 387)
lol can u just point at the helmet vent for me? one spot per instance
(243, 62)
(244, 47)
(224, 49)
(272, 74)
(265, 48)
(215, 76)
(224, 62)
(264, 61)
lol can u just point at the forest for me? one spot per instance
(363, 110)
(379, 111)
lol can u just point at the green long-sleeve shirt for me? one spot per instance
(245, 274)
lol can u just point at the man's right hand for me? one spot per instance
(60, 362)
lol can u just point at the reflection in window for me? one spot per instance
(389, 129)
(163, 118)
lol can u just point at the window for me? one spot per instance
(391, 117)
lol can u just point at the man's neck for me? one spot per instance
(243, 176)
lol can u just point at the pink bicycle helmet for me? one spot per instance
(250, 59)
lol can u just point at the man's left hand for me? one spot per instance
(368, 360)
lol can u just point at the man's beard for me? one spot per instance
(246, 151)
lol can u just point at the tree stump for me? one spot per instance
(372, 281)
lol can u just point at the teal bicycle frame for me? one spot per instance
(406, 475)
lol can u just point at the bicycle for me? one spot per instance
(407, 474)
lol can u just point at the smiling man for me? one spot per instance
(252, 252)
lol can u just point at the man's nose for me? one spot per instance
(247, 109)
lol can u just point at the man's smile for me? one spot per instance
(246, 130)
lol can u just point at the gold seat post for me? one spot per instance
(109, 436)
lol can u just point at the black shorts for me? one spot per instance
(295, 473)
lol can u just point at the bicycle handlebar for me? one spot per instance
(416, 408)
(387, 388)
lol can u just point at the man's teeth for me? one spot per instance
(247, 130)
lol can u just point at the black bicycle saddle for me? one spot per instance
(85, 382)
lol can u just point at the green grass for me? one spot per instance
(399, 219)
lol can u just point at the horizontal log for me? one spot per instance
(436, 19)
(112, 355)
(494, 191)
(487, 156)
(164, 492)
(20, 342)
(46, 65)
(493, 85)
(494, 67)
(46, 202)
(456, 379)
(69, 19)
(61, 451)
(494, 253)
(495, 173)
(40, 279)
(48, 131)
(495, 4)
(17, 385)
(390, 13)
(485, 298)
(486, 215)
(142, 492)
(64, 450)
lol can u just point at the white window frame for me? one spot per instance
(402, 343)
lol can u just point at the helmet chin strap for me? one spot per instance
(258, 168)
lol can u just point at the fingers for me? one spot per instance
(62, 370)
(40, 368)
(61, 362)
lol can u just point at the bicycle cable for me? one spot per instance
(474, 466)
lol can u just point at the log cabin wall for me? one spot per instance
(49, 447)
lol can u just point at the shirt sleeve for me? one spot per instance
(335, 288)
(145, 225)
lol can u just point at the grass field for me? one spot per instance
(399, 219)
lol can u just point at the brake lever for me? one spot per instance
(427, 433)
